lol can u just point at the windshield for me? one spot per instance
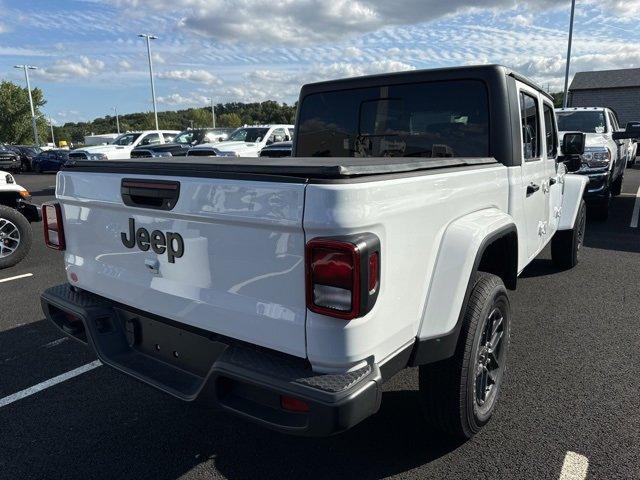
(33, 150)
(126, 139)
(582, 121)
(248, 134)
(434, 119)
(3, 148)
(185, 137)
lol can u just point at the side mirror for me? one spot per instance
(631, 131)
(573, 143)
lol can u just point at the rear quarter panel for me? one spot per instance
(410, 216)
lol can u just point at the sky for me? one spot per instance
(90, 59)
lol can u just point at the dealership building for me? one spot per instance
(616, 89)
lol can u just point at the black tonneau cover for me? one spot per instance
(301, 167)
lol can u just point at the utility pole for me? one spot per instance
(53, 139)
(115, 109)
(213, 113)
(566, 73)
(26, 69)
(153, 87)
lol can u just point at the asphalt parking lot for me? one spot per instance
(572, 397)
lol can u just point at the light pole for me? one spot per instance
(26, 69)
(566, 73)
(153, 87)
(53, 139)
(115, 109)
(213, 113)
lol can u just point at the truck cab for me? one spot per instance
(288, 290)
(121, 146)
(245, 141)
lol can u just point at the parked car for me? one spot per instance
(605, 158)
(122, 146)
(245, 141)
(288, 292)
(9, 160)
(16, 212)
(279, 149)
(50, 160)
(26, 153)
(182, 142)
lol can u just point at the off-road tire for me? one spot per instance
(10, 221)
(448, 388)
(616, 186)
(567, 244)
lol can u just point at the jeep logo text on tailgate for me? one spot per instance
(172, 242)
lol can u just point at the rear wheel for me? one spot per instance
(15, 237)
(459, 394)
(566, 244)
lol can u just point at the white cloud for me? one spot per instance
(4, 28)
(125, 66)
(66, 69)
(312, 21)
(195, 76)
(179, 100)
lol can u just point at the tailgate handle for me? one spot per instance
(156, 194)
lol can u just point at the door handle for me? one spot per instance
(552, 181)
(532, 188)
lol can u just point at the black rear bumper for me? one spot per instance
(190, 363)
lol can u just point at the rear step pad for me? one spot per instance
(144, 347)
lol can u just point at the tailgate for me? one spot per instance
(227, 256)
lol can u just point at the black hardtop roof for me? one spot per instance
(483, 72)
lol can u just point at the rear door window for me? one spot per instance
(428, 119)
(551, 138)
(529, 118)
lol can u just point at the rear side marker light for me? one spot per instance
(293, 404)
(52, 223)
(343, 275)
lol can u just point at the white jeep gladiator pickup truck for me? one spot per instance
(288, 290)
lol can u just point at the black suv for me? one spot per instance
(182, 143)
(26, 153)
(9, 160)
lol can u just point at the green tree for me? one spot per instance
(232, 120)
(15, 114)
(558, 99)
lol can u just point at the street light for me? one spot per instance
(53, 139)
(566, 73)
(153, 87)
(26, 69)
(115, 109)
(213, 112)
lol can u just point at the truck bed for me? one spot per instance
(297, 167)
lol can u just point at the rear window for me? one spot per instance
(434, 119)
(582, 121)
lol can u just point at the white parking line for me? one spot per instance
(48, 383)
(17, 277)
(575, 467)
(636, 211)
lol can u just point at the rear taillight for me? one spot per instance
(53, 230)
(343, 275)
